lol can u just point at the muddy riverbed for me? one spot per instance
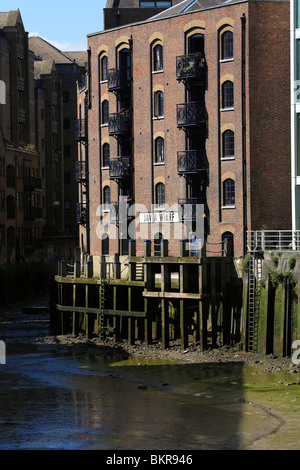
(66, 393)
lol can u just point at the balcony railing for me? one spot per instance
(20, 51)
(119, 168)
(80, 172)
(119, 209)
(191, 114)
(118, 79)
(81, 213)
(269, 240)
(190, 66)
(54, 127)
(22, 115)
(80, 133)
(191, 162)
(21, 83)
(118, 123)
(187, 208)
(54, 98)
(33, 212)
(33, 183)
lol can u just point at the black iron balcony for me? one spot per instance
(33, 212)
(191, 162)
(80, 172)
(119, 209)
(80, 134)
(118, 79)
(81, 213)
(22, 115)
(187, 208)
(191, 114)
(190, 66)
(21, 83)
(54, 98)
(118, 123)
(119, 168)
(32, 183)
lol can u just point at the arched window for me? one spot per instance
(227, 94)
(103, 68)
(106, 197)
(228, 244)
(158, 104)
(10, 176)
(227, 45)
(10, 207)
(229, 192)
(105, 112)
(228, 144)
(105, 155)
(159, 150)
(160, 195)
(158, 58)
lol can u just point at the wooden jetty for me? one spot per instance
(163, 298)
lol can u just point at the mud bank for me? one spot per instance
(216, 399)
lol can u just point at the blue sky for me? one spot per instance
(64, 23)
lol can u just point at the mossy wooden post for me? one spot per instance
(202, 269)
(183, 287)
(131, 321)
(165, 287)
(147, 323)
(265, 311)
(74, 318)
(116, 318)
(87, 325)
(132, 266)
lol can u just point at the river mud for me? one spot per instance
(66, 393)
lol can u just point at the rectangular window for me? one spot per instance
(298, 144)
(297, 14)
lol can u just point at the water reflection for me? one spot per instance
(66, 401)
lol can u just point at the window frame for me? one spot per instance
(104, 113)
(228, 142)
(158, 104)
(227, 50)
(159, 150)
(228, 95)
(229, 193)
(160, 196)
(158, 57)
(105, 155)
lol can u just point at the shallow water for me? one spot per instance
(52, 399)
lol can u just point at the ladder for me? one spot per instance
(255, 275)
(102, 302)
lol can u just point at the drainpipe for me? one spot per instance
(245, 217)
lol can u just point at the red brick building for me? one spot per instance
(188, 107)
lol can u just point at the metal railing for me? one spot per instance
(268, 240)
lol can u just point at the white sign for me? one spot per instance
(158, 217)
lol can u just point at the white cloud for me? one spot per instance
(65, 45)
